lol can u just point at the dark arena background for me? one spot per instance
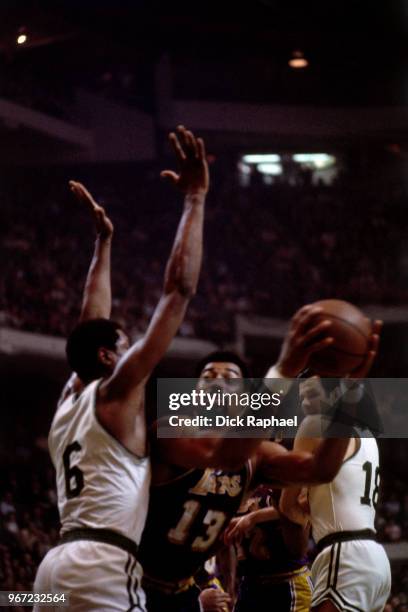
(304, 111)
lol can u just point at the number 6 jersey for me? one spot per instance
(348, 502)
(100, 483)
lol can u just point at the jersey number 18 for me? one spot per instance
(367, 499)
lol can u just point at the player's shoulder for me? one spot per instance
(313, 426)
(72, 388)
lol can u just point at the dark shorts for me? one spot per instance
(185, 601)
(292, 595)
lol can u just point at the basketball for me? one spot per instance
(351, 332)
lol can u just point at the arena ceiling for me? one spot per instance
(357, 51)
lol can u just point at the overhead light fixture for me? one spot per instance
(273, 169)
(316, 160)
(298, 60)
(21, 36)
(260, 158)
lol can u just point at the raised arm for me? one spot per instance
(181, 275)
(97, 297)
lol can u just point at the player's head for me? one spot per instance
(312, 395)
(223, 371)
(222, 364)
(94, 347)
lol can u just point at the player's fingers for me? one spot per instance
(364, 369)
(377, 326)
(223, 597)
(79, 188)
(315, 332)
(230, 537)
(306, 318)
(201, 149)
(192, 143)
(81, 192)
(187, 141)
(183, 137)
(300, 313)
(227, 536)
(170, 176)
(319, 346)
(174, 141)
(374, 342)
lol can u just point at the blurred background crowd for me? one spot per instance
(269, 249)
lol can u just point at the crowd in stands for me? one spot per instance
(268, 248)
(398, 601)
(28, 517)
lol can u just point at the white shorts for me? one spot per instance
(355, 576)
(95, 575)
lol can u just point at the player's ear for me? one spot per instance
(106, 357)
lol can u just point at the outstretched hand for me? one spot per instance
(192, 176)
(303, 340)
(103, 225)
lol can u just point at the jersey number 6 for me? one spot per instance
(74, 478)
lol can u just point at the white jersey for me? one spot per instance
(348, 502)
(100, 483)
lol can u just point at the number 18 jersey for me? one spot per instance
(348, 502)
(100, 484)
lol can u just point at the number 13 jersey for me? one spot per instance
(100, 484)
(348, 502)
(186, 518)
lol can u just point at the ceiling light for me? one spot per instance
(298, 60)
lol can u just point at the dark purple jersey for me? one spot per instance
(186, 518)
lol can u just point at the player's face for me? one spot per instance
(222, 374)
(312, 395)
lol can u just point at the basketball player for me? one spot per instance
(198, 485)
(271, 555)
(351, 573)
(98, 437)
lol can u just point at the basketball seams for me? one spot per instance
(337, 350)
(357, 329)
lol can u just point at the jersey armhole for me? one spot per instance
(356, 450)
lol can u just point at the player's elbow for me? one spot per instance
(186, 290)
(180, 290)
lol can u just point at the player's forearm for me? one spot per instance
(97, 299)
(305, 468)
(328, 458)
(232, 453)
(183, 267)
(264, 515)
